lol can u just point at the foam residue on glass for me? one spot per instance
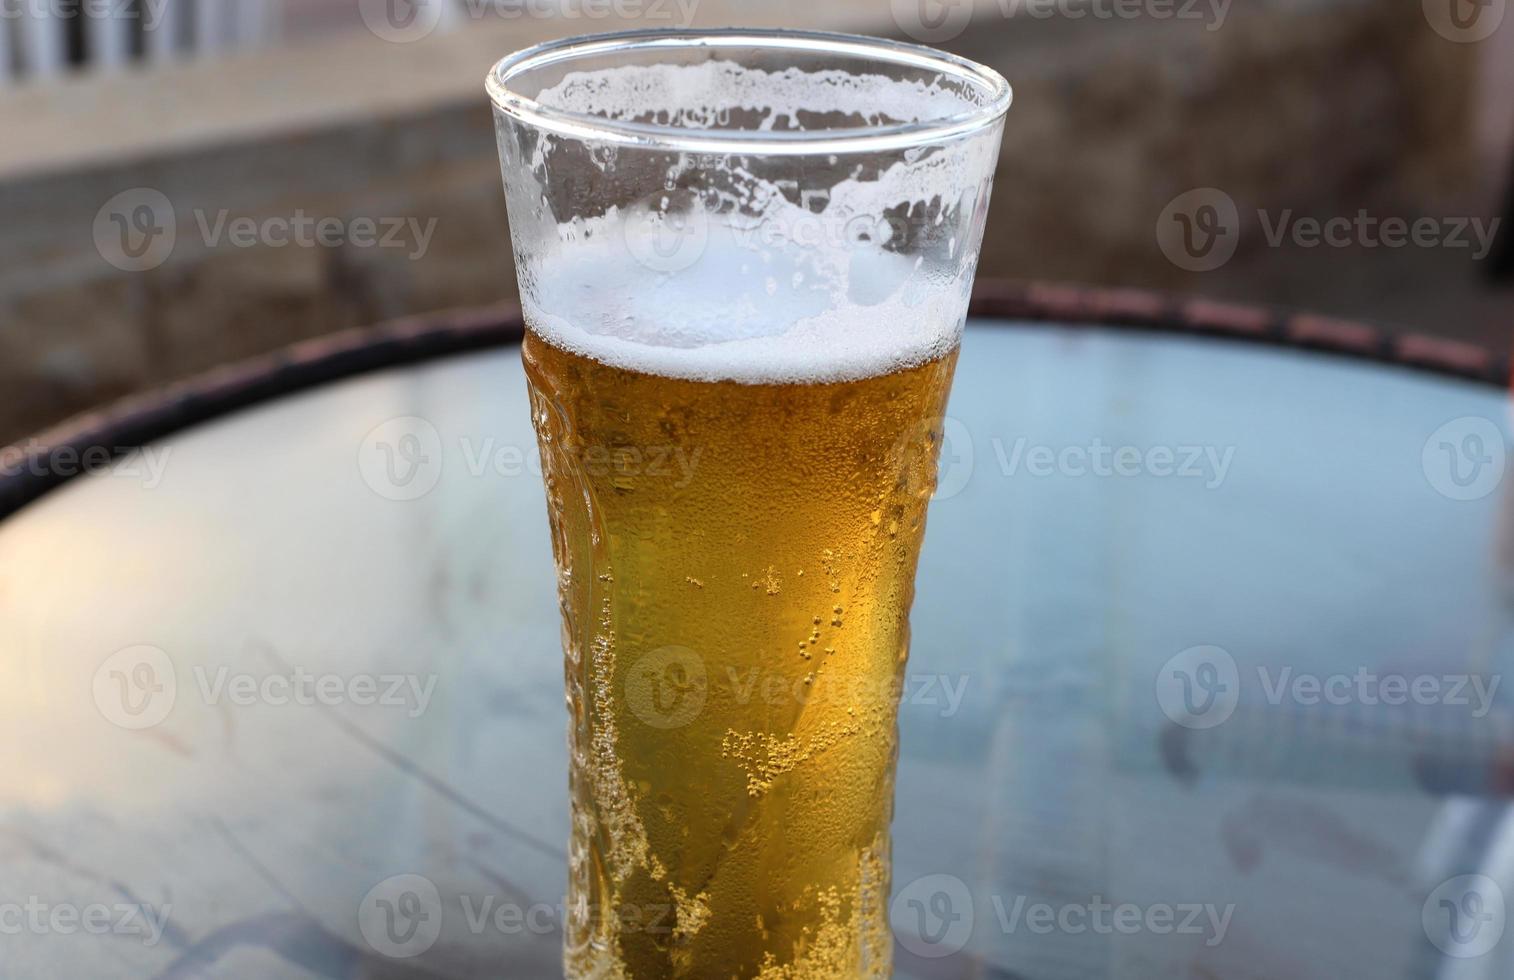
(724, 275)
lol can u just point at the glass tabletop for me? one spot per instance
(1206, 681)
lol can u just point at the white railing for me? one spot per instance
(43, 39)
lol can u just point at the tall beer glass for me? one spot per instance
(744, 260)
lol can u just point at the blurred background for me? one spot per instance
(186, 183)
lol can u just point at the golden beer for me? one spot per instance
(736, 565)
(745, 259)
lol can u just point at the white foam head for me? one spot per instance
(745, 279)
(703, 95)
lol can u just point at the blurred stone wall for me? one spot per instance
(75, 330)
(1313, 107)
(1322, 106)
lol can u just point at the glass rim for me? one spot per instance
(892, 136)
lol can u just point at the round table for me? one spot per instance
(1203, 683)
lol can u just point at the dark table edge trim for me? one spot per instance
(32, 468)
(1075, 306)
(49, 459)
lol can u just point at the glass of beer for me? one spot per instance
(745, 260)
